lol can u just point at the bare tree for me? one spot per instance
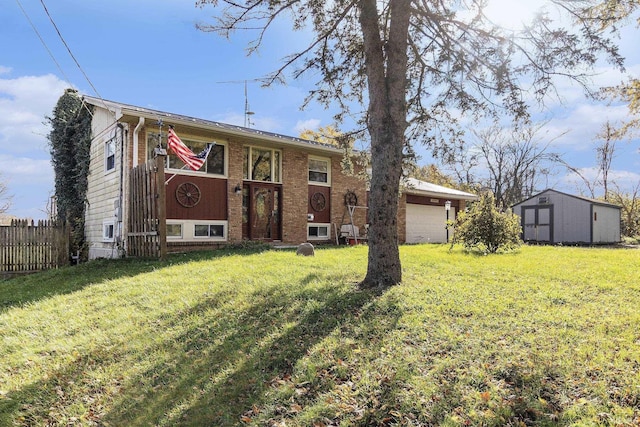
(630, 203)
(416, 64)
(605, 152)
(508, 162)
(5, 198)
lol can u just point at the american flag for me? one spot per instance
(194, 161)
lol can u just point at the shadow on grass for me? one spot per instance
(208, 373)
(35, 287)
(218, 371)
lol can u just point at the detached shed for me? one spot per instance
(555, 217)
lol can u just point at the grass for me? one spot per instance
(545, 336)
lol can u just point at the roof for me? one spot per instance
(586, 199)
(415, 186)
(172, 118)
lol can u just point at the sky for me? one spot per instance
(148, 53)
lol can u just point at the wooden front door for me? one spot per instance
(261, 211)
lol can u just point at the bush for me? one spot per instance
(483, 227)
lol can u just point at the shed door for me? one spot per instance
(537, 223)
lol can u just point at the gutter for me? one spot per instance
(229, 131)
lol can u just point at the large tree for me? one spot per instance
(418, 65)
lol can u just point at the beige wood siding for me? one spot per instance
(103, 187)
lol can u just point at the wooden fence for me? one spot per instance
(147, 211)
(26, 247)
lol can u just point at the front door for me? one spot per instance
(537, 223)
(261, 206)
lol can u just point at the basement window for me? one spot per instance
(108, 231)
(215, 231)
(318, 231)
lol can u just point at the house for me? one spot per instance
(425, 208)
(556, 217)
(254, 185)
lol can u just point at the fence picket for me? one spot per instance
(26, 247)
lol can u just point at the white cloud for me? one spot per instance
(24, 169)
(24, 103)
(302, 125)
(24, 153)
(583, 122)
(267, 124)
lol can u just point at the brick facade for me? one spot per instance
(341, 184)
(234, 200)
(294, 195)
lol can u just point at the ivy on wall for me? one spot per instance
(69, 143)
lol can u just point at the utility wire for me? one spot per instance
(69, 50)
(53, 58)
(35, 30)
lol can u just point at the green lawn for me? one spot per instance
(545, 336)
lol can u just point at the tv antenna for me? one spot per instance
(247, 110)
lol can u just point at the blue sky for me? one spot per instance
(149, 53)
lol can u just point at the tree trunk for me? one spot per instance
(387, 125)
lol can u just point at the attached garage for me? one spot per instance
(426, 210)
(426, 224)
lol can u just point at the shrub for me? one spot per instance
(483, 227)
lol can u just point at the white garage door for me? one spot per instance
(426, 224)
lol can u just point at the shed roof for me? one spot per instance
(415, 186)
(586, 199)
(172, 118)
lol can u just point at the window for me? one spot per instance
(216, 161)
(110, 155)
(319, 170)
(108, 231)
(196, 230)
(209, 230)
(174, 231)
(318, 231)
(261, 164)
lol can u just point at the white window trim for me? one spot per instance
(108, 142)
(105, 226)
(181, 236)
(187, 171)
(273, 160)
(323, 159)
(319, 224)
(189, 230)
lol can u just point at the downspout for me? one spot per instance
(135, 141)
(120, 214)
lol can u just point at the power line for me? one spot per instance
(35, 30)
(53, 58)
(69, 50)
